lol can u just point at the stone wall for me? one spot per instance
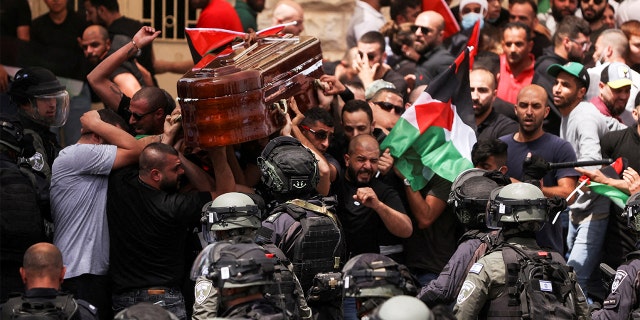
(327, 20)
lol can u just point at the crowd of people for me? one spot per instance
(108, 213)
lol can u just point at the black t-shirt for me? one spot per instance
(55, 46)
(364, 230)
(623, 143)
(13, 14)
(429, 250)
(147, 230)
(495, 126)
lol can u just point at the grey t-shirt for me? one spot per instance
(583, 128)
(79, 182)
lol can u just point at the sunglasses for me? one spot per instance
(423, 29)
(596, 2)
(370, 55)
(139, 117)
(320, 134)
(387, 106)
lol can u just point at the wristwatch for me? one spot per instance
(406, 182)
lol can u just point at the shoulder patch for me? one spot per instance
(465, 292)
(476, 268)
(203, 289)
(620, 276)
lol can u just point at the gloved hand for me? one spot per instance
(534, 168)
(498, 177)
(557, 204)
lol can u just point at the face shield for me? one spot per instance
(51, 109)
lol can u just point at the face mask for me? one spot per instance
(469, 19)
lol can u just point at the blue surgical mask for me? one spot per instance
(469, 19)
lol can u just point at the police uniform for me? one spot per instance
(622, 299)
(486, 281)
(445, 288)
(81, 311)
(207, 297)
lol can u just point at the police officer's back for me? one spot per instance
(469, 196)
(234, 218)
(241, 271)
(302, 224)
(497, 287)
(42, 273)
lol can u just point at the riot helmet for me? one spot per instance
(372, 278)
(517, 203)
(288, 168)
(40, 96)
(469, 196)
(232, 210)
(145, 311)
(631, 210)
(401, 308)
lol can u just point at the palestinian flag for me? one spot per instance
(613, 170)
(216, 42)
(451, 25)
(436, 134)
(473, 42)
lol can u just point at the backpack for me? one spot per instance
(63, 307)
(314, 242)
(21, 202)
(539, 286)
(284, 291)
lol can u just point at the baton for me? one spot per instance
(562, 165)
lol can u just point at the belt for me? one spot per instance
(152, 292)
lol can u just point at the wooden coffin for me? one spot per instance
(236, 98)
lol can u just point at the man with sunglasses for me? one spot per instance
(146, 110)
(317, 127)
(369, 63)
(387, 107)
(434, 58)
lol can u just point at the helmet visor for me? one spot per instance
(51, 109)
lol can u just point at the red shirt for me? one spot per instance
(510, 85)
(220, 14)
(597, 101)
